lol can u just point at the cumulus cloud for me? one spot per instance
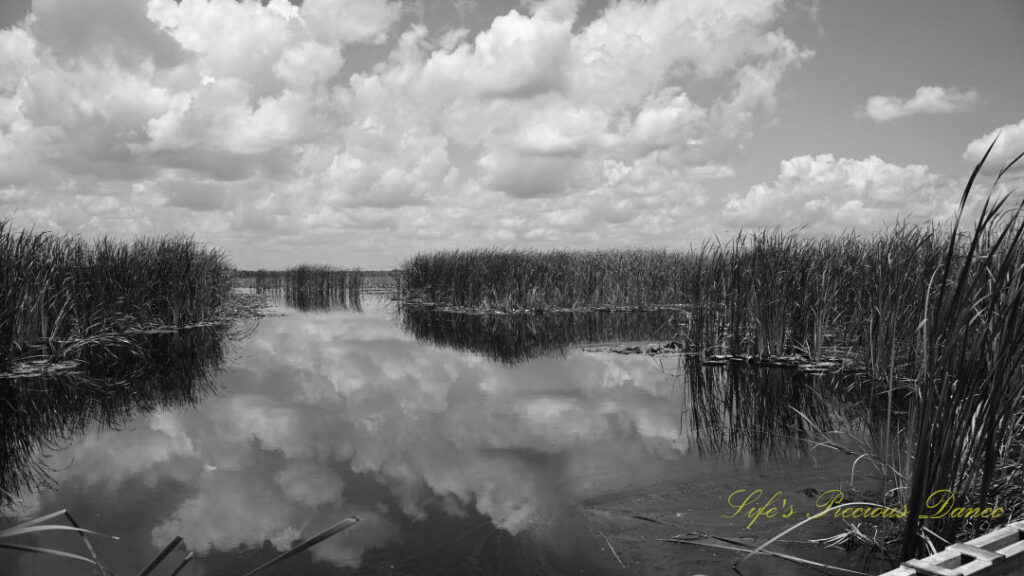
(926, 100)
(518, 57)
(1009, 142)
(348, 21)
(829, 194)
(257, 126)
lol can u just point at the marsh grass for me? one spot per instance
(56, 290)
(766, 293)
(521, 279)
(934, 313)
(969, 382)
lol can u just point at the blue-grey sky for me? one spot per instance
(359, 132)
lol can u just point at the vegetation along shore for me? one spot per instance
(933, 312)
(60, 294)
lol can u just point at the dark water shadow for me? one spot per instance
(317, 300)
(737, 408)
(314, 300)
(110, 386)
(515, 338)
(763, 413)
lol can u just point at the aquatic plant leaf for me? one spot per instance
(339, 527)
(48, 551)
(184, 562)
(160, 557)
(35, 529)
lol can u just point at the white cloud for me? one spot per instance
(348, 21)
(518, 57)
(1010, 143)
(926, 100)
(245, 124)
(561, 10)
(308, 64)
(829, 194)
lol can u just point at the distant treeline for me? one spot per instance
(56, 290)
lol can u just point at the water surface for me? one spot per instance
(464, 444)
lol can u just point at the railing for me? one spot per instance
(996, 553)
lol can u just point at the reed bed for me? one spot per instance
(763, 293)
(934, 312)
(57, 289)
(517, 279)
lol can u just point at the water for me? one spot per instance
(465, 445)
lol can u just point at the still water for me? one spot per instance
(465, 445)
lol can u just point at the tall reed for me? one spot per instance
(55, 288)
(933, 312)
(766, 293)
(970, 370)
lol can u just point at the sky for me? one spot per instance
(360, 132)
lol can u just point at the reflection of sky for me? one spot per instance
(328, 415)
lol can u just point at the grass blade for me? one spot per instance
(339, 527)
(23, 530)
(88, 545)
(34, 521)
(789, 557)
(48, 551)
(760, 549)
(160, 557)
(184, 561)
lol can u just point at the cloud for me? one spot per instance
(1010, 143)
(349, 21)
(261, 128)
(518, 57)
(829, 194)
(926, 100)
